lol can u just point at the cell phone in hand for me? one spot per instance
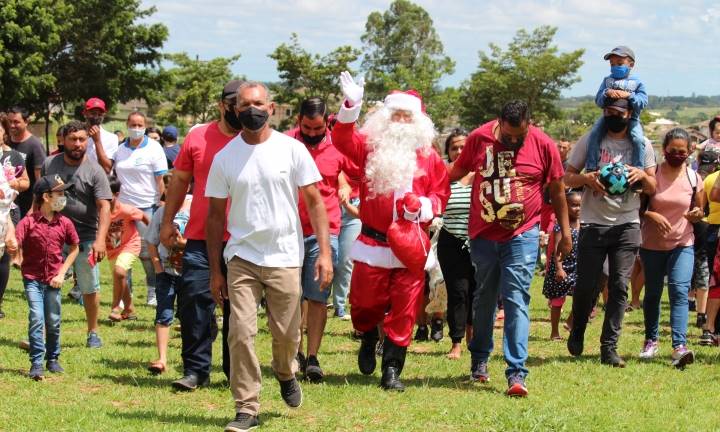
(91, 259)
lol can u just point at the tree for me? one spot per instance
(306, 75)
(54, 52)
(404, 51)
(530, 69)
(195, 87)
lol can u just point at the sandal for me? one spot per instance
(156, 367)
(115, 315)
(129, 316)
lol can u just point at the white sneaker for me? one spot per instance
(151, 299)
(346, 317)
(681, 357)
(650, 349)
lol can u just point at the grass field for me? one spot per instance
(110, 390)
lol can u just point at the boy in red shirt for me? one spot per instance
(123, 248)
(41, 236)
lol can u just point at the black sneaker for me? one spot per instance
(611, 358)
(53, 366)
(422, 333)
(313, 372)
(707, 338)
(436, 330)
(190, 382)
(575, 343)
(36, 372)
(291, 392)
(242, 422)
(479, 372)
(701, 320)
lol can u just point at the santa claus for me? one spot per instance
(404, 182)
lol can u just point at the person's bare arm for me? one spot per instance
(98, 246)
(21, 183)
(321, 227)
(105, 162)
(559, 203)
(174, 199)
(58, 279)
(214, 238)
(456, 173)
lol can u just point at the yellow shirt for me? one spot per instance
(714, 216)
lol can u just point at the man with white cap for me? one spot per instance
(394, 151)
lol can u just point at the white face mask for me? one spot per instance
(134, 134)
(58, 203)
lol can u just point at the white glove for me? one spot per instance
(353, 91)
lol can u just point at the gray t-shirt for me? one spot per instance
(609, 210)
(91, 184)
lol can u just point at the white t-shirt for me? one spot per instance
(109, 143)
(136, 169)
(262, 183)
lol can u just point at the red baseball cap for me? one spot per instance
(93, 103)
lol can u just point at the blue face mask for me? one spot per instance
(619, 72)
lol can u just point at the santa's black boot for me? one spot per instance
(392, 365)
(366, 355)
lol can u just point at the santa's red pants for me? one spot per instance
(375, 291)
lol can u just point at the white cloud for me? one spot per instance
(671, 39)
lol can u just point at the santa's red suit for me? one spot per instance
(382, 288)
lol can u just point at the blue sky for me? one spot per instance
(673, 40)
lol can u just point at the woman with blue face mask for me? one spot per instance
(140, 164)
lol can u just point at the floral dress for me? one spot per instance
(553, 289)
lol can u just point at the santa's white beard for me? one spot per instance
(392, 161)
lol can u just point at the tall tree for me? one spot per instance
(404, 51)
(530, 69)
(54, 52)
(195, 87)
(303, 74)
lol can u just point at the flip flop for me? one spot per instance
(115, 315)
(129, 316)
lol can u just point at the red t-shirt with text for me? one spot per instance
(201, 145)
(508, 185)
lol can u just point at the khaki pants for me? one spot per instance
(246, 284)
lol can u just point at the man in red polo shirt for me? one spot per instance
(312, 131)
(394, 152)
(512, 161)
(196, 307)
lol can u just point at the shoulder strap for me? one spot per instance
(692, 178)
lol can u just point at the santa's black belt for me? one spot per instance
(373, 234)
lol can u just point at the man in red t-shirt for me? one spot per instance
(512, 161)
(312, 131)
(196, 307)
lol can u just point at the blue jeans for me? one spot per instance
(599, 131)
(310, 286)
(44, 316)
(165, 292)
(349, 232)
(677, 264)
(507, 268)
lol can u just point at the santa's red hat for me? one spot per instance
(409, 100)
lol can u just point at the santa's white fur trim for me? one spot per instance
(403, 101)
(349, 115)
(382, 256)
(426, 210)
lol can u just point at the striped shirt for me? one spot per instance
(455, 218)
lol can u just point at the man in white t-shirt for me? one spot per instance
(105, 152)
(262, 172)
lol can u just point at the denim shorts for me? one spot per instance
(165, 291)
(311, 287)
(88, 278)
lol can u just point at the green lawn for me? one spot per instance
(110, 390)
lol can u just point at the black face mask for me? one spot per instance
(95, 121)
(616, 123)
(231, 119)
(253, 119)
(507, 142)
(312, 140)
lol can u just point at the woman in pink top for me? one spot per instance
(667, 247)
